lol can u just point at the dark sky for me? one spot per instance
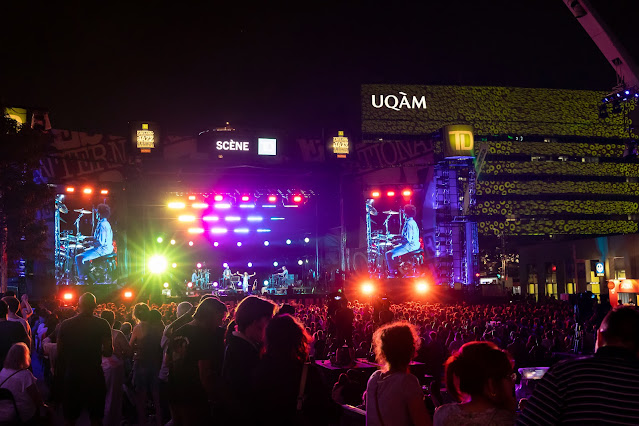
(190, 66)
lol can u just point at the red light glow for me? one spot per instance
(104, 191)
(245, 197)
(128, 294)
(390, 193)
(189, 284)
(376, 194)
(191, 197)
(407, 193)
(67, 296)
(272, 198)
(70, 189)
(297, 199)
(218, 198)
(87, 190)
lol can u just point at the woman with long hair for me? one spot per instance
(394, 395)
(279, 376)
(480, 377)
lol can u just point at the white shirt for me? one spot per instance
(393, 393)
(410, 234)
(18, 385)
(104, 236)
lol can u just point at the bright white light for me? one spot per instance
(263, 230)
(265, 283)
(300, 262)
(422, 287)
(172, 242)
(186, 218)
(160, 239)
(306, 240)
(250, 264)
(288, 242)
(367, 288)
(176, 205)
(173, 265)
(200, 205)
(191, 243)
(241, 230)
(239, 244)
(166, 285)
(215, 284)
(196, 230)
(268, 206)
(157, 264)
(210, 218)
(232, 218)
(225, 265)
(277, 218)
(219, 230)
(247, 206)
(254, 218)
(275, 263)
(215, 244)
(266, 243)
(199, 265)
(222, 205)
(306, 260)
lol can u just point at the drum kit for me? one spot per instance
(69, 244)
(380, 242)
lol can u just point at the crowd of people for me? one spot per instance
(254, 362)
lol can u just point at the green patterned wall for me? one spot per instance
(549, 227)
(560, 168)
(555, 148)
(491, 110)
(538, 187)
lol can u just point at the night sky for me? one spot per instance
(191, 66)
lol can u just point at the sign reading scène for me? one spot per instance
(231, 145)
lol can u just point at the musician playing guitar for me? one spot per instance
(101, 242)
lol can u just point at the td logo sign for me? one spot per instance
(458, 141)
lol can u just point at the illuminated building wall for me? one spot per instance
(553, 167)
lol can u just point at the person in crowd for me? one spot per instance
(82, 342)
(601, 389)
(147, 360)
(12, 315)
(283, 371)
(10, 332)
(126, 329)
(113, 368)
(242, 354)
(16, 377)
(184, 316)
(195, 358)
(457, 343)
(393, 395)
(25, 308)
(480, 377)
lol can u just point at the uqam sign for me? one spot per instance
(398, 102)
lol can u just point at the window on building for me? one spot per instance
(533, 280)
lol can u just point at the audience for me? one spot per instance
(393, 395)
(12, 315)
(603, 389)
(248, 368)
(480, 377)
